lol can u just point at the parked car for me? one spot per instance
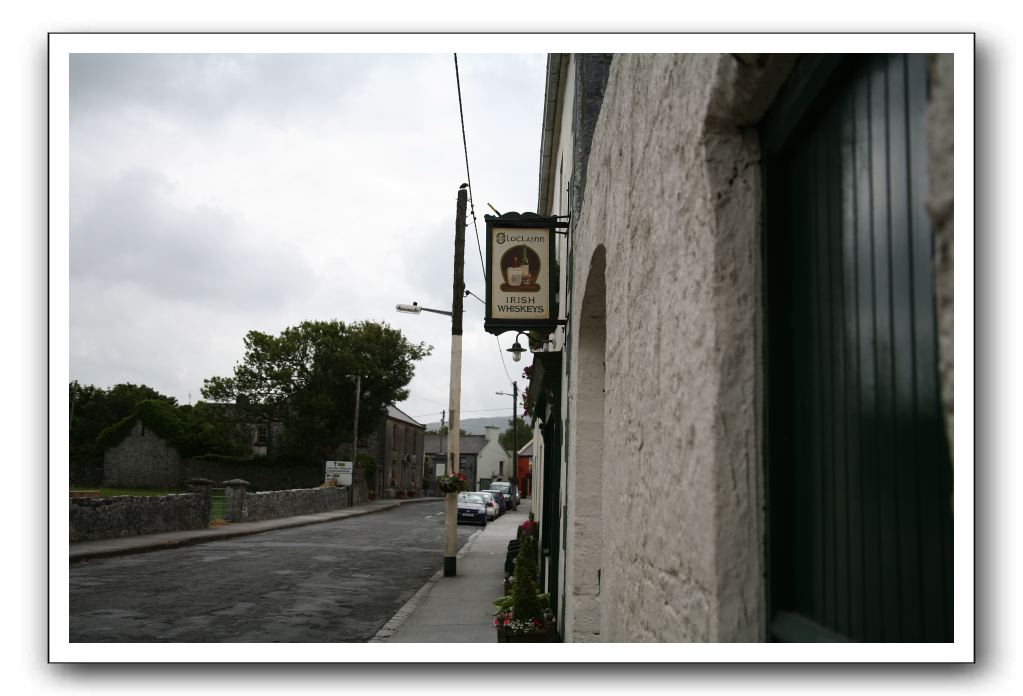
(472, 507)
(510, 491)
(493, 507)
(501, 500)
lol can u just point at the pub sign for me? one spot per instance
(521, 279)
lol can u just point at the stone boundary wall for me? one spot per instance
(273, 504)
(261, 475)
(131, 515)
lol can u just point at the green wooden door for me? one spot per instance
(859, 473)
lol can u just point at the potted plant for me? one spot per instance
(524, 616)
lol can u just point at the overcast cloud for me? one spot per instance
(212, 195)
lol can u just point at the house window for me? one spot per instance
(262, 435)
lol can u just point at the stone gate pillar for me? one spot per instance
(203, 488)
(234, 500)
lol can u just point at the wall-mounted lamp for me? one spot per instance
(517, 350)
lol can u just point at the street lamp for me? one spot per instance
(414, 308)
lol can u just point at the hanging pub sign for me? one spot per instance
(521, 279)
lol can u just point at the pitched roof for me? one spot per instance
(468, 444)
(397, 414)
(526, 450)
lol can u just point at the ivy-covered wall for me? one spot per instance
(143, 459)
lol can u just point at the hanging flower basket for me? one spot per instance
(453, 483)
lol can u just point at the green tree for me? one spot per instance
(525, 434)
(443, 430)
(93, 409)
(305, 377)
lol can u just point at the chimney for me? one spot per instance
(493, 432)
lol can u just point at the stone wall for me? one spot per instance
(129, 515)
(145, 460)
(670, 223)
(262, 474)
(273, 504)
(142, 460)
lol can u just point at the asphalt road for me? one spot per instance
(331, 582)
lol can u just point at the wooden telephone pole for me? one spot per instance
(458, 288)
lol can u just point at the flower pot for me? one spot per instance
(547, 634)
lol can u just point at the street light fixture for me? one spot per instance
(517, 350)
(414, 308)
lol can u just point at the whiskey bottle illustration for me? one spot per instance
(527, 277)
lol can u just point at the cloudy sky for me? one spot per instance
(214, 194)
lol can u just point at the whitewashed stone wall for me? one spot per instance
(672, 196)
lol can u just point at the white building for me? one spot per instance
(742, 433)
(493, 460)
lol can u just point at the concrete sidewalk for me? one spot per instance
(103, 548)
(460, 609)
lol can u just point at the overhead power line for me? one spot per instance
(468, 178)
(472, 208)
(480, 410)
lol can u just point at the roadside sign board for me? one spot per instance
(340, 472)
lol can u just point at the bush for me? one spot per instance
(527, 557)
(526, 604)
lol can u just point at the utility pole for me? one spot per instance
(515, 436)
(515, 432)
(355, 439)
(454, 406)
(441, 438)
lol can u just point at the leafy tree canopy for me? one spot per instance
(443, 430)
(524, 435)
(190, 430)
(305, 377)
(94, 409)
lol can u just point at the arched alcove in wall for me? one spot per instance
(586, 533)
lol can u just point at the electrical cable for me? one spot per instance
(465, 148)
(472, 209)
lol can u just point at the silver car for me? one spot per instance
(493, 507)
(510, 491)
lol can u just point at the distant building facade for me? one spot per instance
(398, 447)
(482, 459)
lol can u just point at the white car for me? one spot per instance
(493, 508)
